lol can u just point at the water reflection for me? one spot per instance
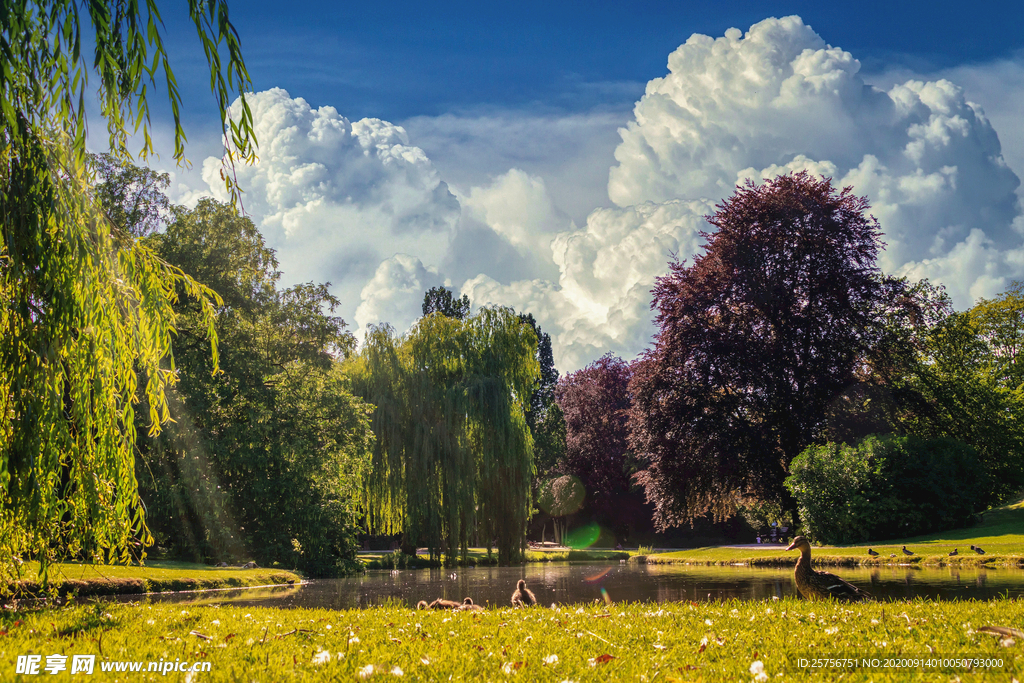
(575, 583)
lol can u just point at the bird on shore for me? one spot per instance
(523, 597)
(955, 552)
(907, 552)
(872, 553)
(469, 606)
(815, 585)
(978, 550)
(441, 603)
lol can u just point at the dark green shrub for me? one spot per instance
(886, 487)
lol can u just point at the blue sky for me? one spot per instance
(394, 60)
(553, 156)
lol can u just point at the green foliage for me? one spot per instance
(958, 396)
(266, 457)
(1000, 324)
(83, 306)
(440, 300)
(132, 197)
(453, 456)
(886, 488)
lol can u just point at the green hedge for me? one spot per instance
(886, 487)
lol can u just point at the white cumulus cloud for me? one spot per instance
(779, 99)
(335, 197)
(358, 204)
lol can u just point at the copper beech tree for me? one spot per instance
(757, 338)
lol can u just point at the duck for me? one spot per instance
(815, 585)
(523, 597)
(955, 552)
(441, 603)
(872, 553)
(469, 606)
(907, 552)
(978, 550)
(422, 604)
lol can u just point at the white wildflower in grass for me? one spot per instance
(329, 627)
(184, 613)
(525, 640)
(832, 631)
(425, 661)
(353, 640)
(551, 659)
(366, 671)
(768, 611)
(579, 611)
(1006, 641)
(150, 622)
(247, 616)
(215, 622)
(659, 646)
(874, 622)
(506, 668)
(757, 671)
(397, 671)
(735, 613)
(190, 677)
(708, 622)
(321, 657)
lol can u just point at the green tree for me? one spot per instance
(1000, 323)
(266, 457)
(84, 306)
(453, 457)
(132, 197)
(440, 300)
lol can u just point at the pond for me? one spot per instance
(575, 583)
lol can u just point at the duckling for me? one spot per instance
(892, 555)
(872, 553)
(815, 585)
(441, 603)
(907, 552)
(469, 606)
(954, 553)
(978, 550)
(523, 597)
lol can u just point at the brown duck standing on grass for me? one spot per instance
(872, 553)
(523, 597)
(954, 553)
(815, 585)
(907, 552)
(469, 606)
(978, 550)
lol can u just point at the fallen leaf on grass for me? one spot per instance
(604, 659)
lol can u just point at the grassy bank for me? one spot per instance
(382, 559)
(673, 641)
(155, 577)
(1000, 534)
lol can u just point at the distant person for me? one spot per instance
(759, 539)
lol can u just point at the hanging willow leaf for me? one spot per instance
(453, 459)
(86, 311)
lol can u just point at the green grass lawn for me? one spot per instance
(715, 641)
(1000, 534)
(155, 576)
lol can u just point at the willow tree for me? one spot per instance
(86, 311)
(453, 456)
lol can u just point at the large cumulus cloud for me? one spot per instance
(779, 99)
(335, 197)
(358, 204)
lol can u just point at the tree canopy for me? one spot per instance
(86, 310)
(755, 340)
(453, 458)
(441, 300)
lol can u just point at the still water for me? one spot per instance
(574, 583)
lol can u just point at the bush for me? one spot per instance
(886, 487)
